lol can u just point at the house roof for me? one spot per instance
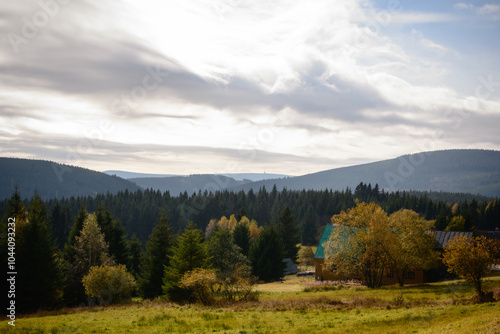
(320, 251)
(442, 237)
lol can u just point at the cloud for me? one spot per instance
(491, 10)
(193, 85)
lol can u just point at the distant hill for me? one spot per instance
(236, 176)
(53, 180)
(133, 175)
(192, 183)
(463, 171)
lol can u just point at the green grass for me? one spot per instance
(433, 308)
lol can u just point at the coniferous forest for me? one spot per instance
(150, 239)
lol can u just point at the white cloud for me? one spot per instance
(491, 10)
(253, 83)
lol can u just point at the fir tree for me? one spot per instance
(157, 257)
(266, 255)
(38, 273)
(190, 253)
(289, 234)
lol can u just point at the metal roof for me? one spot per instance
(442, 237)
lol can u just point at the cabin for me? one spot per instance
(417, 276)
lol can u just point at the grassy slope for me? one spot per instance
(284, 307)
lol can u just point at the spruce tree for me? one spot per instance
(225, 255)
(189, 253)
(266, 255)
(309, 227)
(158, 250)
(289, 233)
(241, 236)
(38, 273)
(114, 234)
(74, 293)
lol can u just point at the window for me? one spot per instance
(409, 275)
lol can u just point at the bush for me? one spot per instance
(109, 284)
(202, 282)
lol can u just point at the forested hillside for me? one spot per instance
(192, 183)
(53, 180)
(465, 171)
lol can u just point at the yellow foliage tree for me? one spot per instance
(471, 259)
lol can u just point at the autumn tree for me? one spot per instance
(306, 256)
(411, 245)
(357, 244)
(109, 284)
(471, 259)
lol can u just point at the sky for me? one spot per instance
(235, 86)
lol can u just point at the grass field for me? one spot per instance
(290, 307)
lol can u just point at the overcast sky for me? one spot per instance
(291, 86)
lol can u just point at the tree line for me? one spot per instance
(139, 211)
(98, 264)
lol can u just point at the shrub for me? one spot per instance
(109, 284)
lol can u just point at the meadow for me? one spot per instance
(297, 305)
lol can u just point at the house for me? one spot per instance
(290, 267)
(417, 276)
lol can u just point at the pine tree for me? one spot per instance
(289, 234)
(266, 255)
(74, 293)
(60, 218)
(158, 251)
(241, 237)
(38, 273)
(225, 255)
(309, 227)
(114, 234)
(135, 254)
(189, 253)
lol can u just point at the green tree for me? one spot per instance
(241, 237)
(74, 293)
(60, 218)
(157, 257)
(471, 259)
(225, 255)
(114, 234)
(289, 233)
(266, 255)
(37, 264)
(189, 253)
(135, 255)
(309, 227)
(109, 284)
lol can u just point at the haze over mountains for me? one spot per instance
(463, 171)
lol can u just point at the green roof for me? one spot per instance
(320, 251)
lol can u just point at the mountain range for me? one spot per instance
(461, 171)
